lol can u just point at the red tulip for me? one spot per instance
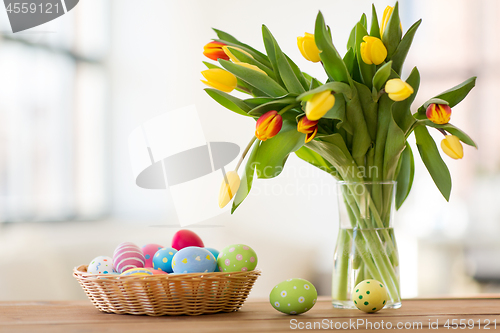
(438, 113)
(308, 127)
(214, 51)
(268, 125)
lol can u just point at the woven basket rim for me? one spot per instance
(81, 272)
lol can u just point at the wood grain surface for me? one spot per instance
(256, 316)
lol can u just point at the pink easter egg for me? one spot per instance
(149, 251)
(185, 238)
(126, 256)
(157, 272)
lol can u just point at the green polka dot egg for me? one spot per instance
(369, 296)
(237, 258)
(293, 296)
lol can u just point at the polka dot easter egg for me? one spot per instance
(149, 251)
(193, 260)
(369, 296)
(128, 255)
(293, 296)
(237, 258)
(137, 271)
(162, 259)
(101, 265)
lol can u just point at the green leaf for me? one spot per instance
(315, 84)
(405, 176)
(435, 101)
(332, 62)
(269, 45)
(401, 110)
(351, 42)
(393, 148)
(399, 55)
(364, 21)
(337, 87)
(369, 108)
(298, 73)
(226, 38)
(247, 178)
(255, 78)
(452, 96)
(462, 136)
(316, 160)
(375, 28)
(210, 66)
(230, 102)
(242, 57)
(392, 33)
(349, 61)
(286, 73)
(366, 70)
(433, 161)
(276, 105)
(334, 150)
(381, 76)
(256, 101)
(361, 140)
(274, 152)
(456, 94)
(338, 110)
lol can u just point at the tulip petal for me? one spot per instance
(319, 105)
(220, 79)
(452, 147)
(229, 189)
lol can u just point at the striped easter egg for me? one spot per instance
(126, 256)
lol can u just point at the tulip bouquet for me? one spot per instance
(354, 126)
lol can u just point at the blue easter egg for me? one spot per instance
(216, 254)
(193, 259)
(162, 259)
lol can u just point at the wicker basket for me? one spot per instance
(158, 295)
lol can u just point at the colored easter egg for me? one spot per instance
(149, 251)
(137, 271)
(162, 259)
(185, 238)
(157, 272)
(369, 296)
(236, 258)
(216, 254)
(126, 256)
(101, 265)
(293, 296)
(193, 260)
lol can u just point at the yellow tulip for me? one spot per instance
(373, 51)
(255, 68)
(228, 189)
(220, 79)
(385, 19)
(227, 51)
(308, 48)
(452, 147)
(319, 105)
(398, 89)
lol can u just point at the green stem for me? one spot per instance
(245, 152)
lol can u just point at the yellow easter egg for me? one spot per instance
(369, 296)
(137, 271)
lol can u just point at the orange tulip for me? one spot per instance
(438, 113)
(308, 127)
(268, 125)
(214, 51)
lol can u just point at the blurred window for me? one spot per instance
(53, 103)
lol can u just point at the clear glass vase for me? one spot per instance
(366, 245)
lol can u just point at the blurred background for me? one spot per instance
(73, 89)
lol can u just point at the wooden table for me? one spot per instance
(254, 316)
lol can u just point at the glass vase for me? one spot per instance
(366, 245)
